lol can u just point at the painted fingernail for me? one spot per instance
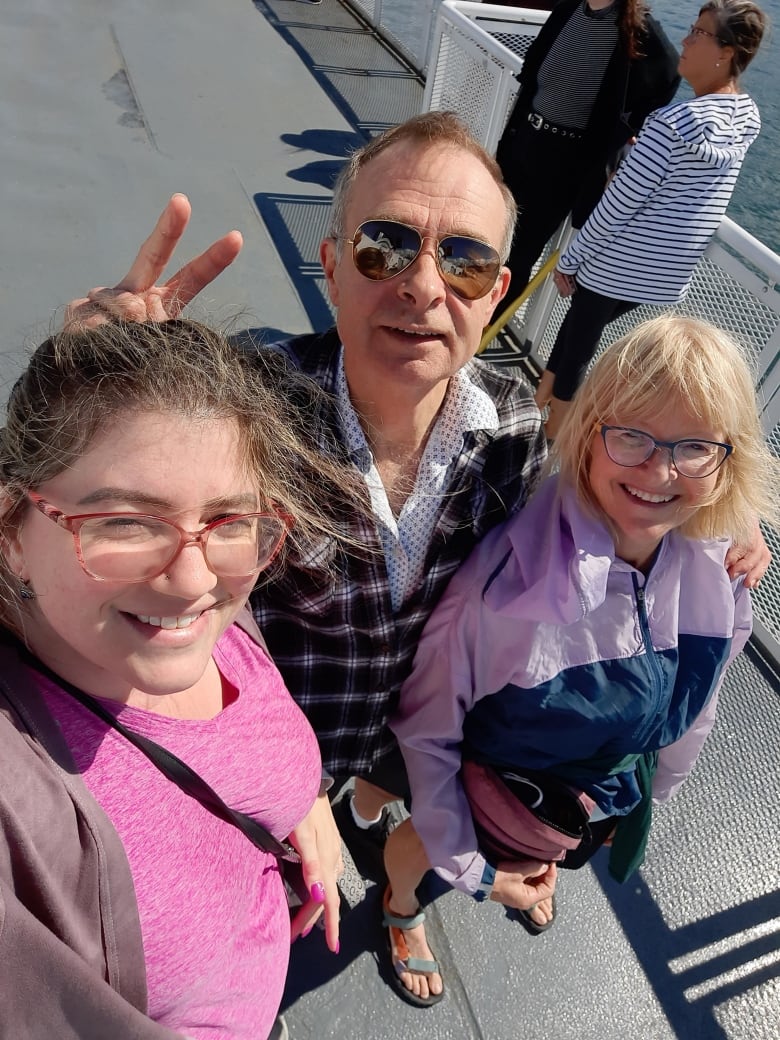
(308, 930)
(338, 947)
(318, 892)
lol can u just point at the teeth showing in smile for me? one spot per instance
(415, 332)
(169, 622)
(645, 496)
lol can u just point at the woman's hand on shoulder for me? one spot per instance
(523, 884)
(752, 560)
(318, 841)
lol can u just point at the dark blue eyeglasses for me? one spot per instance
(690, 457)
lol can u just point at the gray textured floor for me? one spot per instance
(109, 106)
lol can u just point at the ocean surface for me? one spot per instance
(756, 200)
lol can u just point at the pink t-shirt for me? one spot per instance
(213, 910)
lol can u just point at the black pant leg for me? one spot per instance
(544, 173)
(544, 197)
(579, 337)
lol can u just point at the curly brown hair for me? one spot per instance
(632, 20)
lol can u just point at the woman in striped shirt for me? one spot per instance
(589, 80)
(643, 240)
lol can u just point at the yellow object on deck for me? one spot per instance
(493, 330)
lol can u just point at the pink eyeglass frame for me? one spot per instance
(73, 523)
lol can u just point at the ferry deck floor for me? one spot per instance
(109, 106)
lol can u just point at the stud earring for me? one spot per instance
(25, 592)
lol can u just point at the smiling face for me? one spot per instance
(114, 639)
(704, 62)
(645, 502)
(412, 332)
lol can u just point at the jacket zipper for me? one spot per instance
(656, 672)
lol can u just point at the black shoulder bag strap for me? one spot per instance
(175, 770)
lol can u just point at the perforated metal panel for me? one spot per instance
(369, 9)
(407, 26)
(467, 81)
(474, 59)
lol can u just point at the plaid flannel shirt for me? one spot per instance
(343, 652)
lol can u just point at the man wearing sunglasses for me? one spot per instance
(421, 224)
(448, 445)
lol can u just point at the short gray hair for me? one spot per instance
(741, 25)
(426, 130)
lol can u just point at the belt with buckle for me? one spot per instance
(540, 123)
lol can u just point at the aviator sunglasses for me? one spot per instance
(382, 249)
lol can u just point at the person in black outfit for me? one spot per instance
(590, 78)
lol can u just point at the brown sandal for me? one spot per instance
(399, 954)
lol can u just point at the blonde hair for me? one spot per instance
(77, 383)
(673, 363)
(426, 130)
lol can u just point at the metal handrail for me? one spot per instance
(509, 312)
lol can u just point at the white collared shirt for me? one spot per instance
(406, 538)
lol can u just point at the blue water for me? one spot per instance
(754, 204)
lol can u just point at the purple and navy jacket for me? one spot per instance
(547, 652)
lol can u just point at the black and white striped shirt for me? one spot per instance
(643, 240)
(571, 74)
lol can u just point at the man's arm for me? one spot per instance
(137, 297)
(752, 559)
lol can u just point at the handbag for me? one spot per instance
(528, 815)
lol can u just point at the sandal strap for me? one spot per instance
(404, 923)
(423, 967)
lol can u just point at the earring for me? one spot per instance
(25, 592)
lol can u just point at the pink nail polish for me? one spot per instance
(318, 892)
(338, 947)
(308, 930)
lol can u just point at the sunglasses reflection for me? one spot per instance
(382, 249)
